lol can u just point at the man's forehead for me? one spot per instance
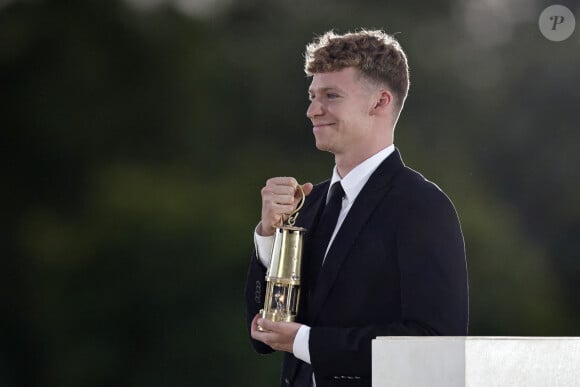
(340, 79)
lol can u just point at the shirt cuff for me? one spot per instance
(300, 346)
(264, 245)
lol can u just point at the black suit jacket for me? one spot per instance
(396, 268)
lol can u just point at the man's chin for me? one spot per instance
(322, 146)
(325, 149)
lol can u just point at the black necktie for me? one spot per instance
(325, 228)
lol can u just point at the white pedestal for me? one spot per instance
(476, 361)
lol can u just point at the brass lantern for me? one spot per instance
(283, 276)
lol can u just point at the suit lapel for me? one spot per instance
(308, 218)
(368, 199)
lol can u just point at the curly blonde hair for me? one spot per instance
(377, 55)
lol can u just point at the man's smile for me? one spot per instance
(317, 126)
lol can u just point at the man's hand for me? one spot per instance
(280, 335)
(280, 197)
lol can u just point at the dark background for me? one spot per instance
(136, 135)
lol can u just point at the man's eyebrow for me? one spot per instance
(324, 89)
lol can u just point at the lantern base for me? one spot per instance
(275, 316)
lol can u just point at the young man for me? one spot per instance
(393, 262)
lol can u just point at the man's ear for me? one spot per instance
(383, 101)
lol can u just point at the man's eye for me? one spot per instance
(331, 95)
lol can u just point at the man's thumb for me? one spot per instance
(307, 188)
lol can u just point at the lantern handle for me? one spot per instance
(294, 214)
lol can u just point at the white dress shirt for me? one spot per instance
(352, 184)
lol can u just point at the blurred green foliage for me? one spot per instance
(135, 141)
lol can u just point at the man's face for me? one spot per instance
(340, 112)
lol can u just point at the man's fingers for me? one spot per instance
(265, 335)
(307, 188)
(283, 191)
(263, 323)
(278, 335)
(266, 324)
(255, 320)
(282, 182)
(280, 197)
(255, 333)
(269, 335)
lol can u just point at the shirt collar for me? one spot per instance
(355, 180)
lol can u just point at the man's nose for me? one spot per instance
(314, 109)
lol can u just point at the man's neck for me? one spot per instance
(347, 162)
